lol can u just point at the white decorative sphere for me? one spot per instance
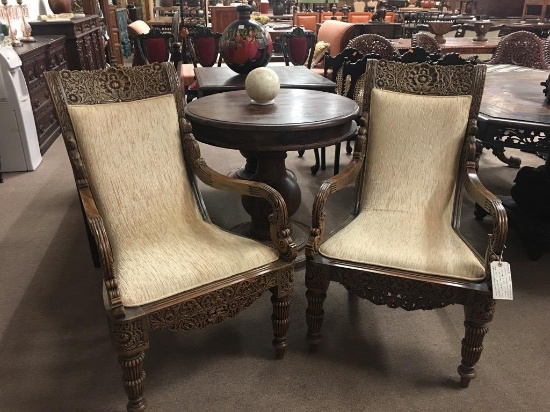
(262, 85)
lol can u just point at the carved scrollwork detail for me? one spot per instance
(106, 258)
(534, 140)
(213, 307)
(397, 292)
(423, 78)
(129, 336)
(482, 309)
(316, 276)
(286, 279)
(115, 84)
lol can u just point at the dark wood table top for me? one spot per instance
(222, 79)
(299, 119)
(463, 45)
(515, 98)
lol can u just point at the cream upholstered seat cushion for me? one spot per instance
(413, 151)
(161, 244)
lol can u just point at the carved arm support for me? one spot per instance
(329, 186)
(97, 228)
(488, 201)
(278, 219)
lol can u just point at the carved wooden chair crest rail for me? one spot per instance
(402, 247)
(165, 265)
(521, 48)
(427, 42)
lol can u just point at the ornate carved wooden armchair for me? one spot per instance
(402, 246)
(521, 48)
(165, 264)
(298, 47)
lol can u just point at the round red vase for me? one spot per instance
(246, 44)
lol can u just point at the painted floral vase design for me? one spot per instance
(245, 43)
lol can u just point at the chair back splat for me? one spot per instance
(298, 47)
(204, 49)
(152, 47)
(402, 245)
(165, 264)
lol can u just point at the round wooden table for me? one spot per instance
(298, 120)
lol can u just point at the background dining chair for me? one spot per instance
(203, 46)
(521, 48)
(306, 19)
(165, 264)
(402, 245)
(298, 47)
(333, 70)
(359, 16)
(152, 47)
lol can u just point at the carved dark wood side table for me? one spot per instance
(299, 119)
(513, 114)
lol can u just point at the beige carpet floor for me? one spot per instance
(56, 356)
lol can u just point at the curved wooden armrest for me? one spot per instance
(492, 205)
(278, 219)
(97, 228)
(332, 185)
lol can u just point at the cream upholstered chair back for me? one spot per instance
(416, 132)
(419, 116)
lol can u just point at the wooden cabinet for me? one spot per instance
(48, 53)
(84, 43)
(221, 17)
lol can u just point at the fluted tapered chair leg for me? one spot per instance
(477, 316)
(133, 377)
(317, 284)
(280, 320)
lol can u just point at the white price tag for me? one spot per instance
(501, 277)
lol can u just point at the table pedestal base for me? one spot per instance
(272, 171)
